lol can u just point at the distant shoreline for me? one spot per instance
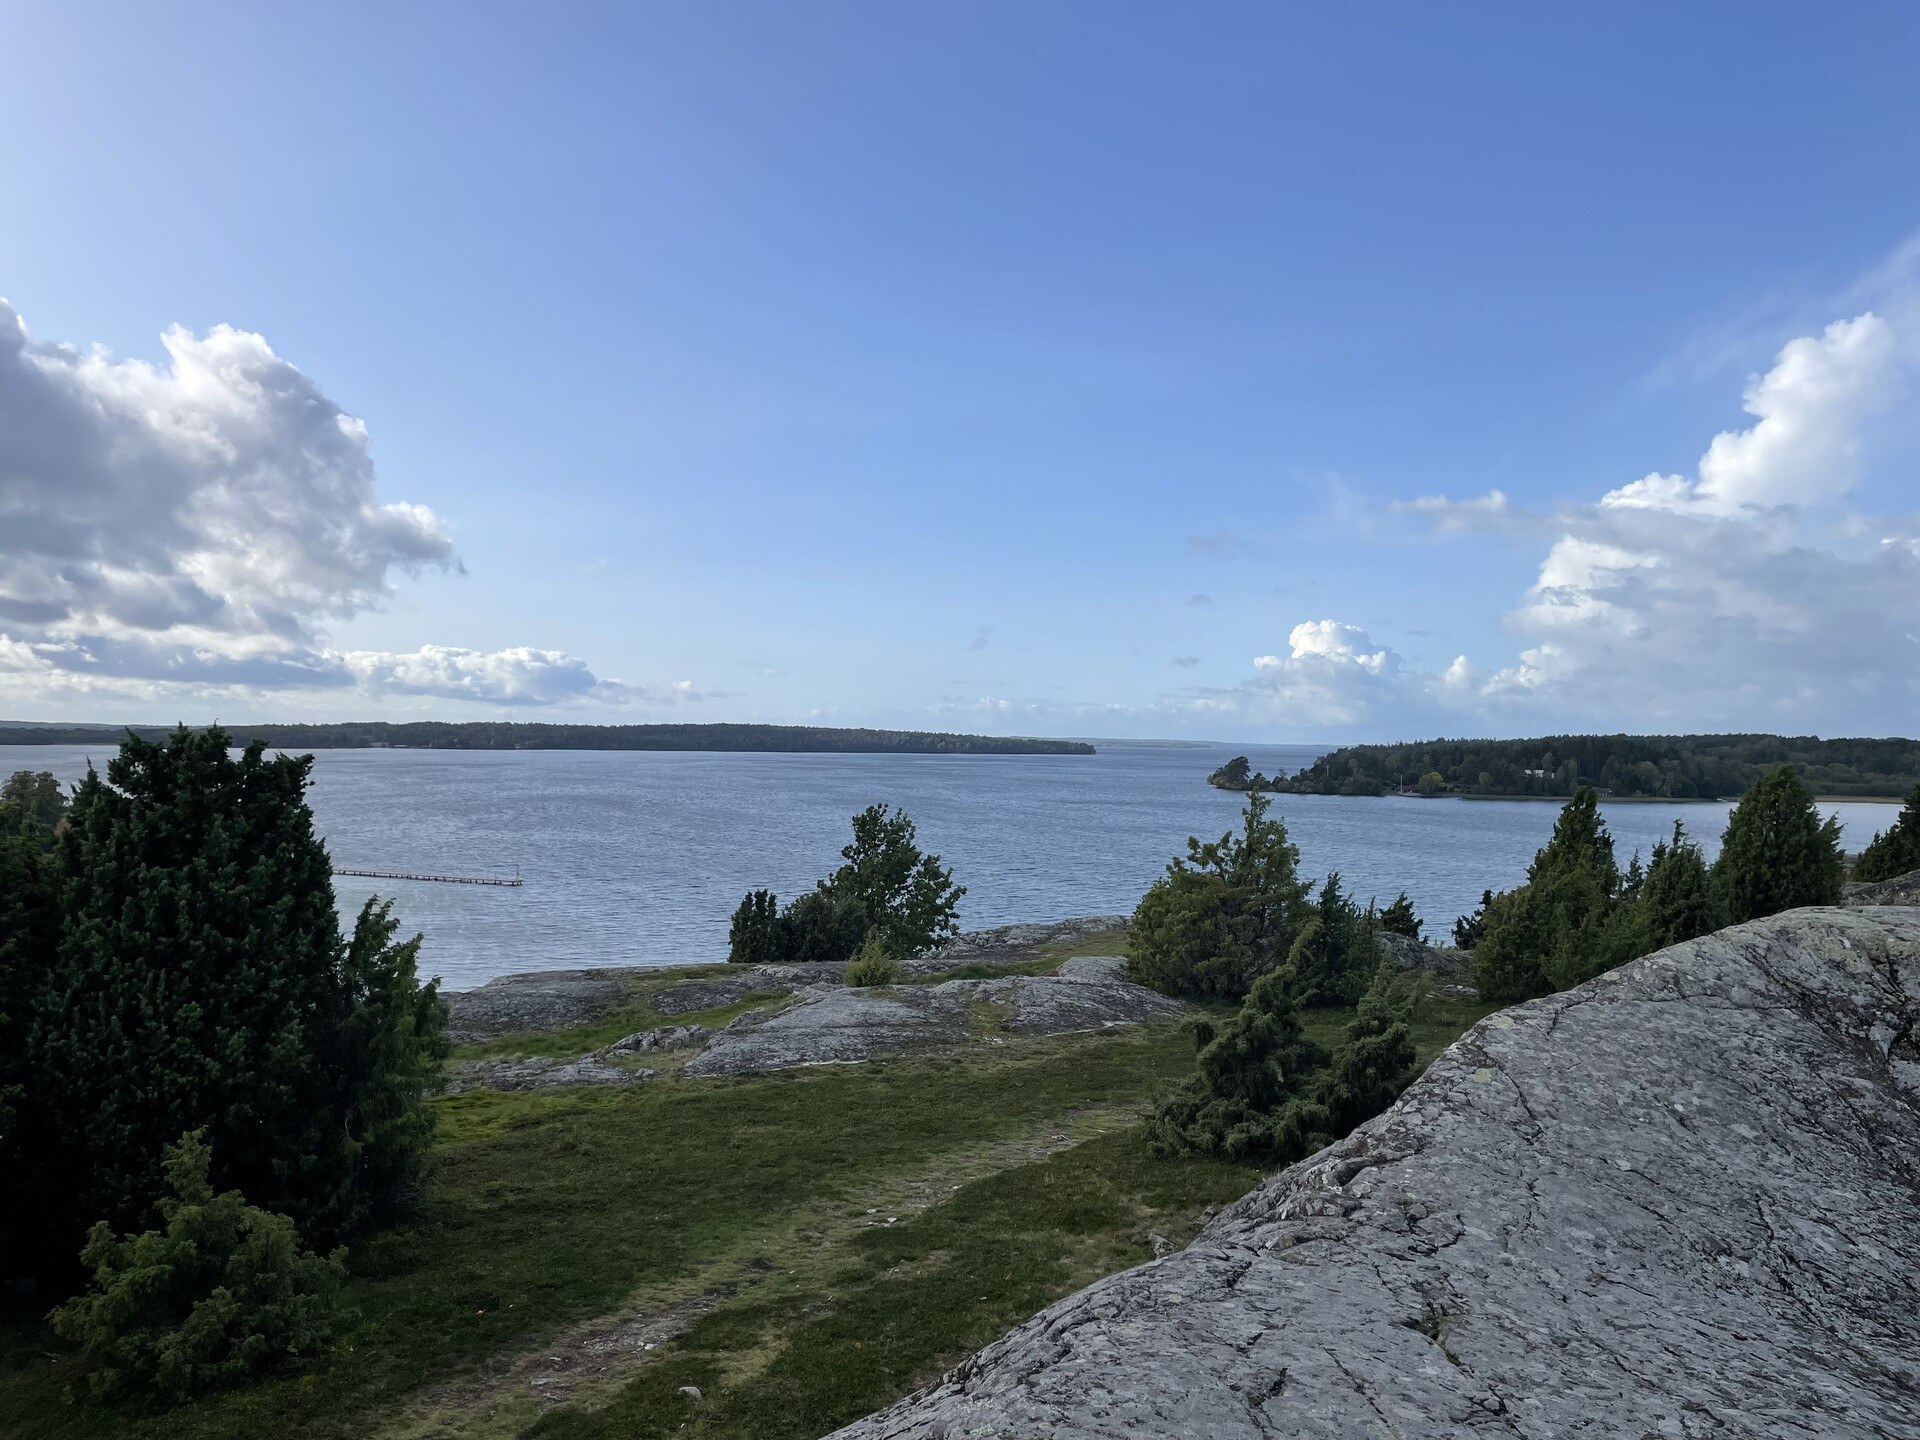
(501, 735)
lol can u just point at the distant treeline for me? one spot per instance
(501, 735)
(1678, 767)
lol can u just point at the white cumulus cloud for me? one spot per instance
(194, 529)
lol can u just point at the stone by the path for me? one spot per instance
(1680, 1201)
(1064, 1004)
(841, 1026)
(834, 1026)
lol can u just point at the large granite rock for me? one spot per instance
(1682, 1200)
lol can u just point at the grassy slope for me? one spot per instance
(743, 1206)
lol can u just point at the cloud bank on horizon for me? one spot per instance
(1751, 594)
(190, 534)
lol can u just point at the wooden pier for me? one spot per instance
(513, 879)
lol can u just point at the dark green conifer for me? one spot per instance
(1895, 851)
(1375, 1061)
(1247, 1098)
(1399, 919)
(1677, 902)
(1778, 854)
(1559, 928)
(202, 983)
(1224, 914)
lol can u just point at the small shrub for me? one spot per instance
(874, 965)
(223, 1291)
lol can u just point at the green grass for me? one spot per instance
(1017, 1171)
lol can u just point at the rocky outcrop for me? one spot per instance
(1454, 967)
(557, 999)
(1901, 890)
(1005, 943)
(543, 1000)
(843, 1026)
(1681, 1200)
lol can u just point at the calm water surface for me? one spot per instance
(635, 858)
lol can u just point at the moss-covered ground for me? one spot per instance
(803, 1247)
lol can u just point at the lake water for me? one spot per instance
(638, 858)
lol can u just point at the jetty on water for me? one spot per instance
(513, 879)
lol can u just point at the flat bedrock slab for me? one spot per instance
(556, 999)
(1681, 1200)
(843, 1026)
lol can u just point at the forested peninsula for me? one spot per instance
(1664, 767)
(503, 735)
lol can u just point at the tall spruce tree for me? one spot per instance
(201, 982)
(1896, 850)
(1778, 854)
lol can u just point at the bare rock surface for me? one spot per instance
(1901, 890)
(1008, 942)
(844, 1026)
(1064, 1004)
(1451, 970)
(1681, 1200)
(556, 999)
(542, 1000)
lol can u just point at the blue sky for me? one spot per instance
(1074, 369)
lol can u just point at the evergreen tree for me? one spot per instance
(222, 1292)
(32, 801)
(1375, 1061)
(754, 938)
(1777, 853)
(1337, 950)
(1560, 928)
(1399, 919)
(1677, 901)
(29, 936)
(201, 982)
(1896, 851)
(1246, 1099)
(1224, 914)
(1469, 929)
